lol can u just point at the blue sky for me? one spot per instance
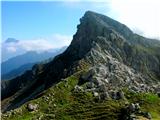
(30, 20)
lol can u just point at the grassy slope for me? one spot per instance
(60, 102)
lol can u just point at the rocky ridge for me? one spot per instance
(113, 57)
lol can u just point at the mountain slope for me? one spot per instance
(108, 58)
(65, 101)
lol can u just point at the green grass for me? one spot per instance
(66, 104)
(149, 103)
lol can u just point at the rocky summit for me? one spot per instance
(107, 73)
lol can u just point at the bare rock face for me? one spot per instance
(114, 75)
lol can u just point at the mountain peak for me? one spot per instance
(92, 25)
(107, 22)
(89, 13)
(11, 40)
(102, 57)
(98, 33)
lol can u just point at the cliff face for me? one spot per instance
(111, 54)
(133, 50)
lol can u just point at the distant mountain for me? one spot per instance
(17, 65)
(12, 47)
(11, 40)
(18, 71)
(9, 49)
(106, 73)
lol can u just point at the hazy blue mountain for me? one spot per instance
(17, 71)
(17, 65)
(11, 40)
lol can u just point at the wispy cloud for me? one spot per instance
(51, 42)
(59, 40)
(139, 15)
(11, 49)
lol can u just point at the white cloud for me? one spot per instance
(60, 40)
(139, 15)
(51, 42)
(11, 49)
(34, 45)
(28, 45)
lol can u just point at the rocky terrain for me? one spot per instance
(107, 72)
